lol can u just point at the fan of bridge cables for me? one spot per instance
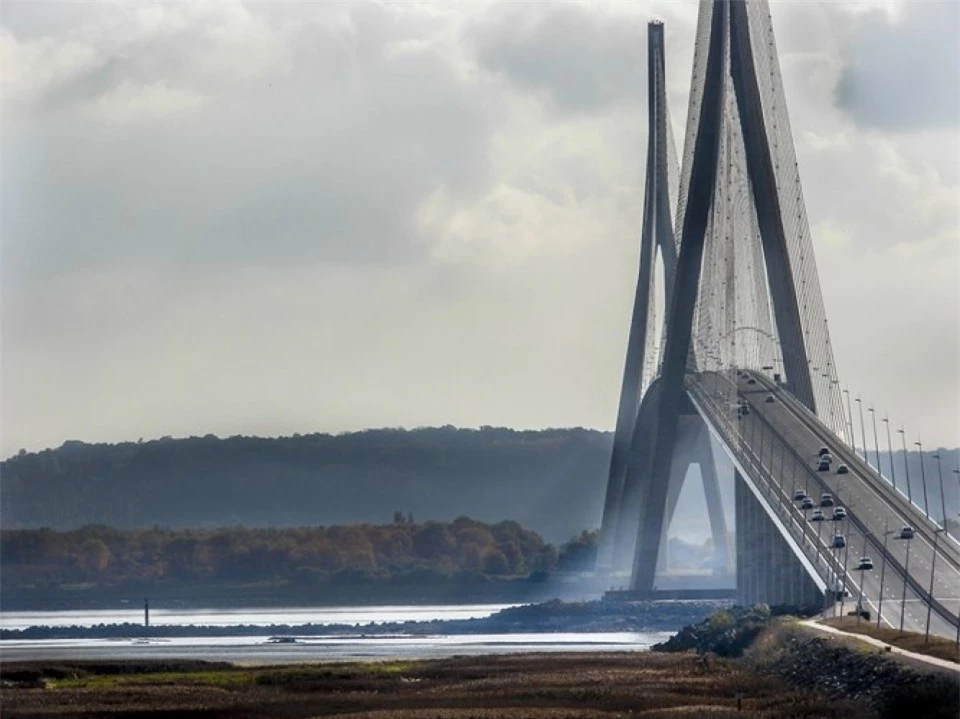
(734, 325)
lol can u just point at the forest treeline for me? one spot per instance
(427, 551)
(551, 481)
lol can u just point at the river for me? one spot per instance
(362, 645)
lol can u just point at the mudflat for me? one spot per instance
(651, 685)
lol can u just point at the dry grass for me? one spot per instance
(555, 686)
(934, 646)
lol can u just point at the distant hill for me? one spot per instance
(551, 481)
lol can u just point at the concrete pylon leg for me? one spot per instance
(711, 491)
(767, 569)
(657, 232)
(688, 435)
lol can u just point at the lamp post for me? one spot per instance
(883, 568)
(893, 468)
(819, 524)
(906, 463)
(763, 426)
(853, 435)
(876, 444)
(936, 539)
(863, 553)
(903, 598)
(863, 432)
(780, 474)
(826, 376)
(843, 416)
(943, 505)
(843, 576)
(957, 472)
(923, 480)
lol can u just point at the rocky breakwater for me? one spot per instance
(896, 690)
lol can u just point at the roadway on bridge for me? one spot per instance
(793, 444)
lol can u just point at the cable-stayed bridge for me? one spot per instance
(741, 364)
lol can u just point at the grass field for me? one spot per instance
(532, 686)
(934, 647)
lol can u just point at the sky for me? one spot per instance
(279, 218)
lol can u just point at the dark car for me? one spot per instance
(906, 532)
(842, 469)
(769, 398)
(823, 466)
(799, 495)
(751, 381)
(823, 451)
(807, 503)
(826, 500)
(838, 542)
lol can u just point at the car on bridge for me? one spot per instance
(842, 469)
(823, 451)
(807, 503)
(799, 495)
(823, 466)
(769, 398)
(751, 381)
(826, 500)
(817, 515)
(865, 563)
(839, 542)
(906, 532)
(839, 513)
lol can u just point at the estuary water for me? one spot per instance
(255, 616)
(361, 644)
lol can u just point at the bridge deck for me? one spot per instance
(779, 441)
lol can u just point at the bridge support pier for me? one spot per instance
(767, 569)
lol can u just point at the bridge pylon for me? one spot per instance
(736, 256)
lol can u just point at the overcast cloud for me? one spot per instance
(278, 218)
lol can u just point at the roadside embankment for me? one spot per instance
(836, 667)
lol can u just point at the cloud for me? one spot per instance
(247, 139)
(131, 103)
(578, 58)
(270, 218)
(903, 73)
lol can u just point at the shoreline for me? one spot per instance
(553, 616)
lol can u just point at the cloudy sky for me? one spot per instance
(270, 218)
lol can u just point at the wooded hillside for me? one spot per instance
(430, 551)
(551, 481)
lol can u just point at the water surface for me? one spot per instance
(361, 643)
